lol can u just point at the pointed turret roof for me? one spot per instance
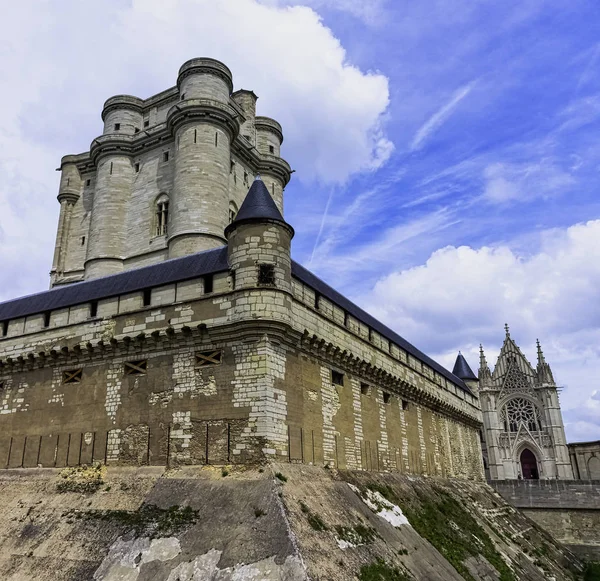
(462, 369)
(257, 206)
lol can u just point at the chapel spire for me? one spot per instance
(544, 372)
(485, 375)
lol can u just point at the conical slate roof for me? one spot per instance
(462, 369)
(258, 204)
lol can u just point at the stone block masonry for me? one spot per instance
(186, 147)
(230, 355)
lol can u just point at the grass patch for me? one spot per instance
(149, 519)
(447, 525)
(380, 571)
(280, 476)
(224, 472)
(314, 520)
(356, 535)
(82, 479)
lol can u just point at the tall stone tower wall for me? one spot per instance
(196, 146)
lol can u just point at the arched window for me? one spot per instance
(233, 210)
(161, 215)
(520, 412)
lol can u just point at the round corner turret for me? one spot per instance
(269, 136)
(205, 78)
(70, 186)
(122, 114)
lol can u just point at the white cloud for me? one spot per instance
(62, 63)
(371, 11)
(505, 182)
(462, 296)
(439, 117)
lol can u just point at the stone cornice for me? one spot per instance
(71, 352)
(143, 141)
(120, 102)
(330, 353)
(205, 65)
(205, 110)
(268, 124)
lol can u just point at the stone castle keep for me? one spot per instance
(180, 331)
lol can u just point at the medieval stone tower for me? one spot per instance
(180, 331)
(523, 433)
(166, 176)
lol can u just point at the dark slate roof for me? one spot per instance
(325, 290)
(258, 205)
(169, 271)
(188, 267)
(462, 369)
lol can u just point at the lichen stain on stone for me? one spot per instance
(126, 559)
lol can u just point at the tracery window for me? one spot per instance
(520, 411)
(161, 218)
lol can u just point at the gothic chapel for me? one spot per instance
(523, 431)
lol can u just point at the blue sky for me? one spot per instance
(446, 152)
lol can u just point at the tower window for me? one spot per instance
(83, 240)
(88, 182)
(136, 130)
(364, 388)
(317, 299)
(195, 136)
(117, 126)
(208, 358)
(232, 211)
(72, 376)
(137, 168)
(208, 283)
(266, 274)
(4, 328)
(245, 178)
(47, 318)
(165, 156)
(182, 96)
(94, 309)
(139, 367)
(146, 123)
(147, 297)
(271, 149)
(386, 397)
(162, 217)
(337, 377)
(216, 139)
(404, 405)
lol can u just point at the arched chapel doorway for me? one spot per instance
(529, 467)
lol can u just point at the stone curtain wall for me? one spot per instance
(271, 394)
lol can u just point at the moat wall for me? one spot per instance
(568, 510)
